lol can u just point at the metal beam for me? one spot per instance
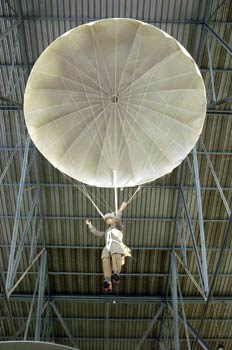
(219, 5)
(197, 257)
(7, 305)
(13, 102)
(216, 178)
(218, 38)
(29, 318)
(23, 238)
(92, 247)
(63, 323)
(202, 69)
(90, 19)
(212, 284)
(9, 29)
(115, 319)
(150, 326)
(153, 274)
(203, 34)
(10, 107)
(46, 326)
(34, 239)
(102, 299)
(211, 76)
(201, 223)
(10, 80)
(107, 326)
(12, 85)
(21, 33)
(17, 215)
(94, 218)
(174, 301)
(190, 276)
(122, 339)
(42, 285)
(209, 112)
(220, 102)
(25, 273)
(163, 187)
(200, 341)
(9, 161)
(182, 239)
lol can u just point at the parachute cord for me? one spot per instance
(133, 195)
(99, 211)
(85, 192)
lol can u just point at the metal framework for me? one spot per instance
(184, 238)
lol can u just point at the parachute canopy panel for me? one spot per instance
(115, 95)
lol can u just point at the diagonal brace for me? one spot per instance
(150, 326)
(63, 323)
(8, 30)
(17, 214)
(23, 238)
(219, 39)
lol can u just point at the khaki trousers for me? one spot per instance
(111, 263)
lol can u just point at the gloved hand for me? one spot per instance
(88, 222)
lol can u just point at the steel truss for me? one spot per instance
(168, 311)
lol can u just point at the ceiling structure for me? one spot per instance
(176, 291)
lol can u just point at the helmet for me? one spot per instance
(109, 215)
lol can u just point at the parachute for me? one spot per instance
(115, 103)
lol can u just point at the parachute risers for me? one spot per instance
(115, 191)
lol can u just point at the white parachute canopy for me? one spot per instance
(116, 96)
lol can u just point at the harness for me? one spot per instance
(111, 234)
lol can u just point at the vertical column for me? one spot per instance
(211, 71)
(174, 302)
(106, 328)
(42, 284)
(201, 224)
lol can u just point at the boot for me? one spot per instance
(116, 278)
(107, 286)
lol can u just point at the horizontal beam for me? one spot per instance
(204, 70)
(131, 274)
(209, 112)
(22, 149)
(160, 219)
(102, 299)
(116, 319)
(90, 19)
(122, 339)
(81, 247)
(212, 112)
(10, 101)
(56, 246)
(10, 108)
(163, 187)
